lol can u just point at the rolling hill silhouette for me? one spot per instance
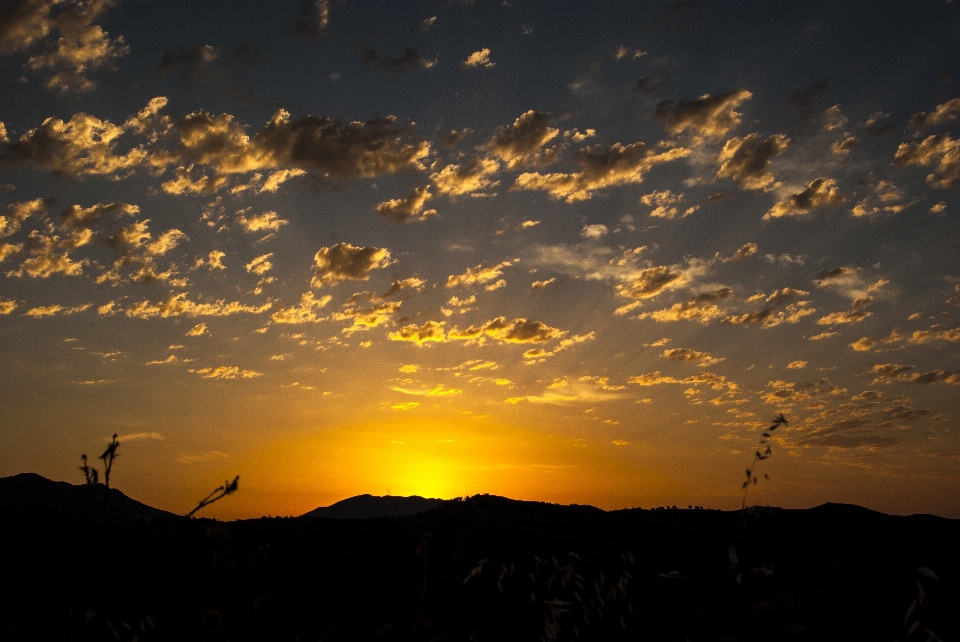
(371, 506)
(32, 496)
(483, 567)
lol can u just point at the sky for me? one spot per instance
(575, 252)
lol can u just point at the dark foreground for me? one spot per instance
(486, 568)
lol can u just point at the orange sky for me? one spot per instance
(446, 248)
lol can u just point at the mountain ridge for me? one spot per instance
(28, 491)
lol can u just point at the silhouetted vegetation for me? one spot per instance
(474, 568)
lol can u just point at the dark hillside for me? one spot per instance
(369, 506)
(31, 496)
(487, 568)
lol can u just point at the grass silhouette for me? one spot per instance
(97, 549)
(543, 572)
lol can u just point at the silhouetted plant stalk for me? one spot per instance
(108, 456)
(915, 611)
(228, 488)
(763, 452)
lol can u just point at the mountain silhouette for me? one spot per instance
(34, 497)
(481, 567)
(371, 506)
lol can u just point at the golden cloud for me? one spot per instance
(940, 151)
(178, 305)
(686, 355)
(344, 261)
(78, 47)
(304, 312)
(366, 318)
(600, 169)
(479, 275)
(17, 213)
(255, 223)
(50, 310)
(499, 329)
(819, 193)
(226, 372)
(469, 177)
(260, 264)
(407, 209)
(478, 59)
(768, 316)
(83, 146)
(430, 331)
(520, 143)
(76, 216)
(649, 282)
(948, 112)
(713, 116)
(51, 254)
(665, 204)
(357, 149)
(708, 379)
(700, 308)
(747, 160)
(856, 314)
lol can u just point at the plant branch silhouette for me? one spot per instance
(763, 452)
(228, 488)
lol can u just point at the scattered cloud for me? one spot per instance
(72, 44)
(819, 193)
(410, 61)
(855, 314)
(833, 119)
(521, 143)
(712, 116)
(257, 223)
(344, 261)
(948, 112)
(744, 251)
(188, 60)
(941, 152)
(141, 436)
(304, 312)
(313, 16)
(430, 331)
(178, 305)
(479, 275)
(478, 59)
(665, 204)
(845, 146)
(260, 265)
(226, 372)
(768, 316)
(701, 307)
(595, 231)
(686, 355)
(466, 178)
(199, 458)
(409, 209)
(52, 310)
(198, 330)
(600, 169)
(747, 160)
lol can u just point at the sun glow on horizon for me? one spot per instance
(431, 457)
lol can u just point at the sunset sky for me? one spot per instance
(577, 252)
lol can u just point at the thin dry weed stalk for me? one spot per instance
(763, 452)
(228, 488)
(915, 611)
